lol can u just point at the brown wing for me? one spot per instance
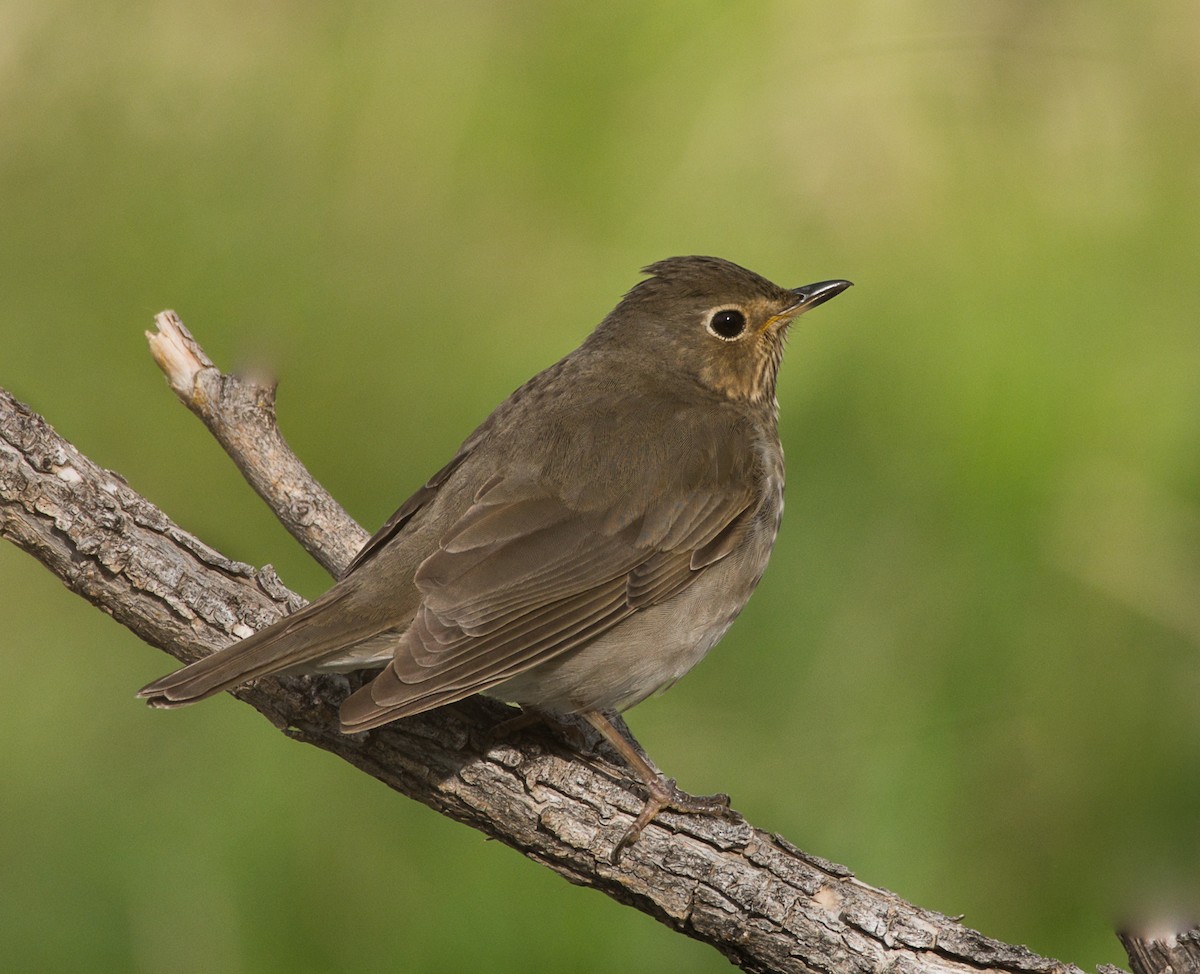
(523, 577)
(395, 524)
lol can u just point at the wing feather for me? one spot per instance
(522, 578)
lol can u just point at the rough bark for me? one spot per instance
(1157, 953)
(752, 895)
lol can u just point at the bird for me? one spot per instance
(587, 544)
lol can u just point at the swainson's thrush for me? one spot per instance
(586, 545)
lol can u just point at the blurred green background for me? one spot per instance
(972, 672)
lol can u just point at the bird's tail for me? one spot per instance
(302, 641)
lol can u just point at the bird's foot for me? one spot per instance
(512, 725)
(663, 795)
(564, 727)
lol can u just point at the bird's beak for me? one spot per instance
(809, 296)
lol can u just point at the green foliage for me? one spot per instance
(971, 672)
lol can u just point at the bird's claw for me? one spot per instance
(665, 796)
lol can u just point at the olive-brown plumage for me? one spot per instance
(587, 544)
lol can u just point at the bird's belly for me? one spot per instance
(652, 648)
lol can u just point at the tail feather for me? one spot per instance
(302, 639)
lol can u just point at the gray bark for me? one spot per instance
(1151, 953)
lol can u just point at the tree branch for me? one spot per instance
(762, 902)
(1151, 953)
(240, 412)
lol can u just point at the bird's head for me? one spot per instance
(712, 320)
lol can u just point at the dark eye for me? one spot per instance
(727, 324)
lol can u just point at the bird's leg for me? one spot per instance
(506, 728)
(565, 727)
(661, 791)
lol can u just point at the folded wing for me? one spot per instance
(523, 577)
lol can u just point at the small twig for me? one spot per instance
(240, 413)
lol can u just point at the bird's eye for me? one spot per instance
(727, 324)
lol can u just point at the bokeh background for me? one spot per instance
(973, 670)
